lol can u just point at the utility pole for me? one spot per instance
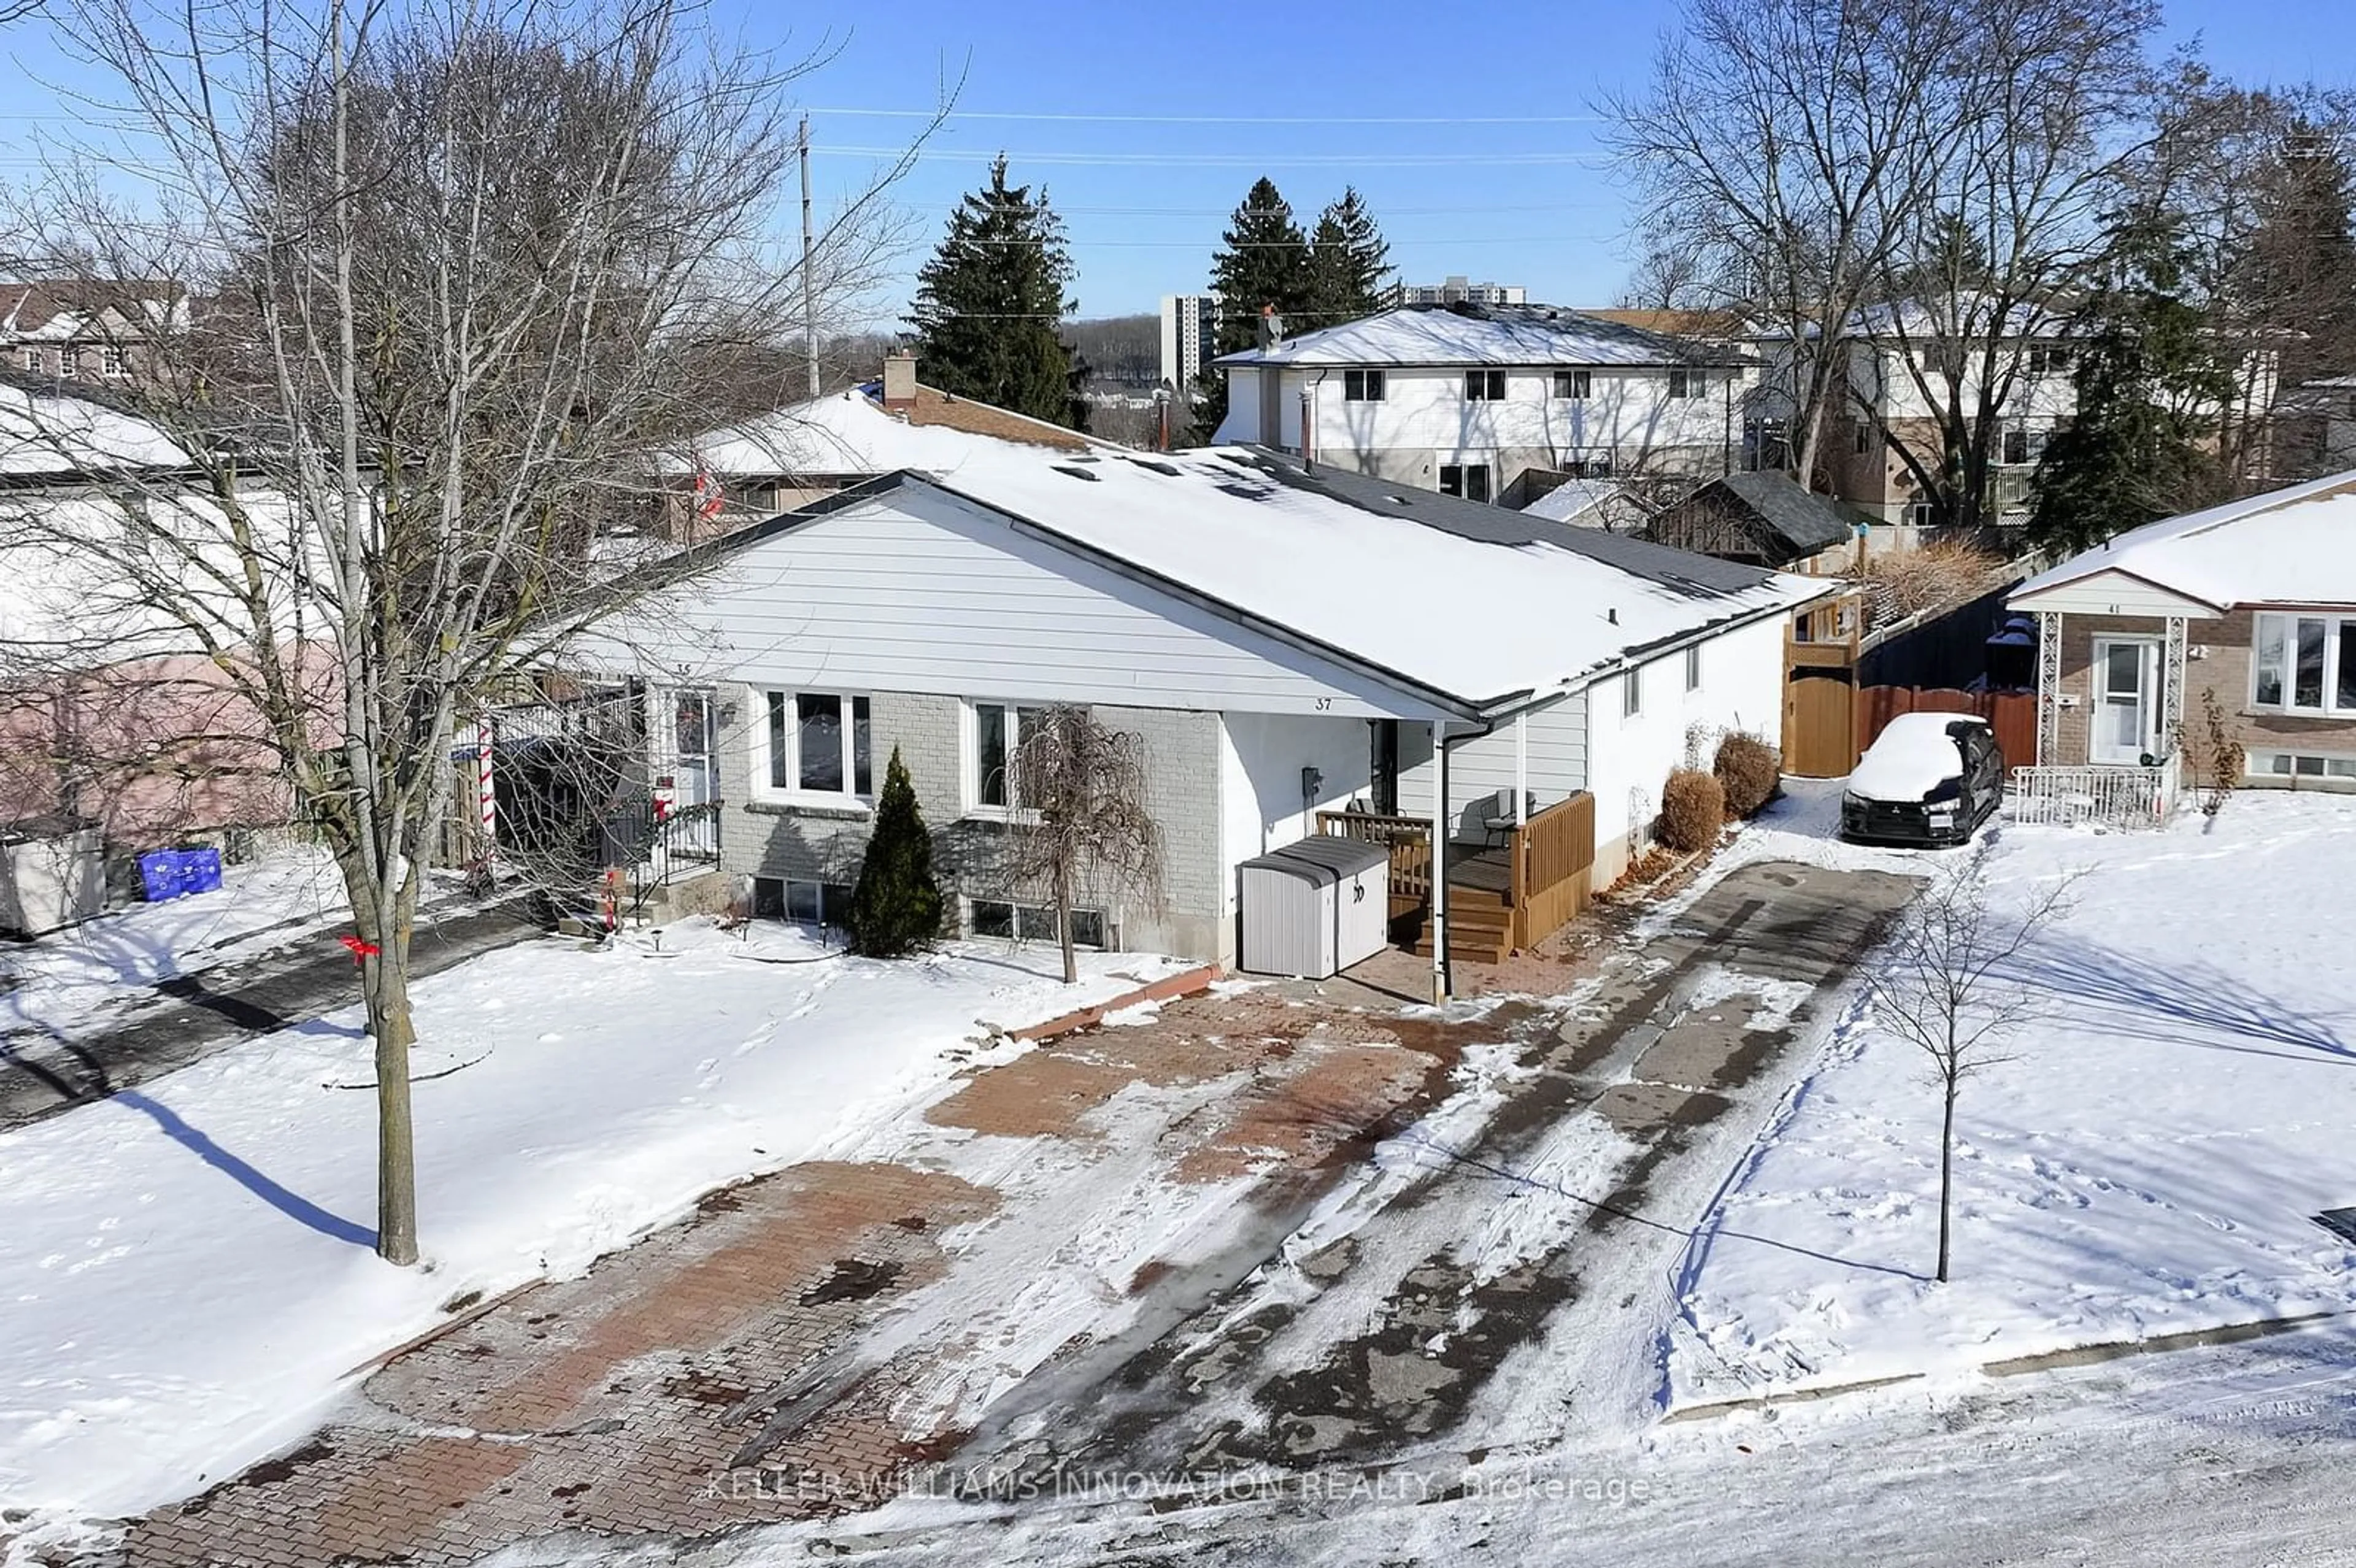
(809, 289)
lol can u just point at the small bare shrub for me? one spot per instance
(1693, 810)
(1749, 770)
(2219, 758)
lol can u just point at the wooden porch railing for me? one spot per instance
(1409, 839)
(1553, 857)
(1549, 861)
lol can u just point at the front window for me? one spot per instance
(110, 360)
(1631, 692)
(1484, 386)
(1692, 667)
(1469, 480)
(1688, 384)
(1574, 385)
(1362, 386)
(998, 732)
(815, 743)
(2305, 664)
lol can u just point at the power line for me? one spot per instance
(1223, 119)
(1226, 161)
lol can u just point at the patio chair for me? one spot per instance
(1497, 819)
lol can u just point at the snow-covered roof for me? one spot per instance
(57, 433)
(2294, 545)
(1486, 334)
(1573, 499)
(851, 433)
(1477, 603)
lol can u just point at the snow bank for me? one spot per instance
(2146, 1164)
(187, 1267)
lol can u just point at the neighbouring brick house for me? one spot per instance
(2251, 604)
(94, 330)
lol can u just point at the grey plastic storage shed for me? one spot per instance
(50, 875)
(1314, 908)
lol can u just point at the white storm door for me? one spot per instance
(2126, 699)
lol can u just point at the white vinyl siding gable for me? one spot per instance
(1483, 764)
(923, 594)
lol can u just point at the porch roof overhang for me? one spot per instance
(2114, 592)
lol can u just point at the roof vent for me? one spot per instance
(1612, 615)
(1075, 473)
(1169, 468)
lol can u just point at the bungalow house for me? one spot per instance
(2250, 605)
(111, 711)
(1493, 403)
(1299, 652)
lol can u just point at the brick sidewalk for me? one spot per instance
(637, 1399)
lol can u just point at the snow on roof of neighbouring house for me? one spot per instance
(1486, 334)
(1574, 499)
(46, 433)
(2293, 546)
(851, 432)
(1914, 753)
(1479, 608)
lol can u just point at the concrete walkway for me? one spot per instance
(188, 1019)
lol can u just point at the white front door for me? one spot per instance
(2126, 699)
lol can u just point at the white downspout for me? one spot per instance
(1438, 861)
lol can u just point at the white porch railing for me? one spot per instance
(2092, 797)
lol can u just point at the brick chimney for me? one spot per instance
(899, 380)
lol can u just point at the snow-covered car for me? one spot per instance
(1928, 778)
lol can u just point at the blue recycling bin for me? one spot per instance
(200, 870)
(159, 875)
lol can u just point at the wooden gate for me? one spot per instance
(1820, 722)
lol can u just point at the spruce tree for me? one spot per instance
(989, 303)
(2148, 380)
(896, 910)
(1349, 264)
(1263, 260)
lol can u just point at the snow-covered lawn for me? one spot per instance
(2147, 1163)
(185, 1272)
(70, 980)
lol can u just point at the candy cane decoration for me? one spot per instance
(485, 798)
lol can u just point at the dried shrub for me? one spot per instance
(1693, 810)
(1749, 770)
(1905, 583)
(2218, 757)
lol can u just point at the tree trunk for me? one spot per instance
(1946, 1176)
(1063, 928)
(396, 1147)
(384, 992)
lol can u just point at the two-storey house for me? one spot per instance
(1493, 403)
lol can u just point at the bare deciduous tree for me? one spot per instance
(1085, 828)
(1779, 146)
(1941, 984)
(467, 275)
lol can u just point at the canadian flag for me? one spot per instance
(708, 495)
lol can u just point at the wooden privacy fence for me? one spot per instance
(1409, 841)
(2011, 714)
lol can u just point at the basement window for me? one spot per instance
(1032, 923)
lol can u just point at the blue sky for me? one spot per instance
(1524, 197)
